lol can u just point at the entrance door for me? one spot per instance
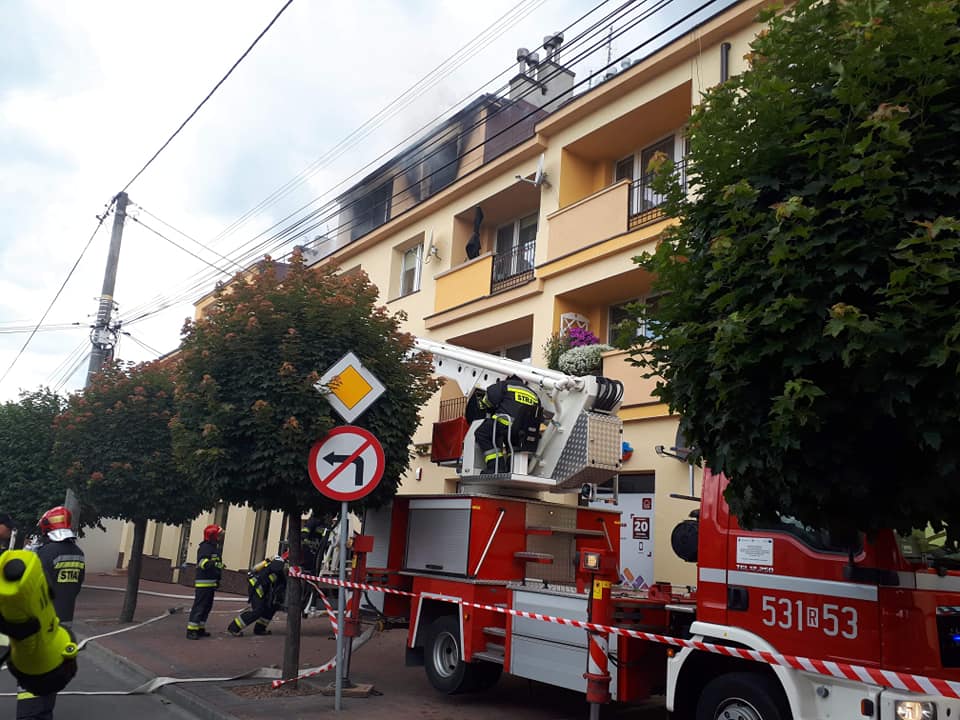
(636, 529)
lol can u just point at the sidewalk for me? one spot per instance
(161, 649)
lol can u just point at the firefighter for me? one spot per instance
(65, 568)
(314, 538)
(513, 422)
(6, 529)
(268, 582)
(209, 570)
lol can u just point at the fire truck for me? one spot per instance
(889, 604)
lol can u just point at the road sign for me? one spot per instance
(347, 464)
(349, 387)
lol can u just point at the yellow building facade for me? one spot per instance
(552, 254)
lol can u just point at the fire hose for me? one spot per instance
(42, 654)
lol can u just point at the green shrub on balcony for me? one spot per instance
(583, 360)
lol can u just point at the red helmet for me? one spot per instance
(56, 523)
(212, 533)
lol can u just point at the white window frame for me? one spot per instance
(638, 204)
(516, 224)
(643, 331)
(414, 255)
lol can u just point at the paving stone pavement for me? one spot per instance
(160, 649)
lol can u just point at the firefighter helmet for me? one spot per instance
(55, 523)
(212, 533)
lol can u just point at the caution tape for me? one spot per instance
(859, 673)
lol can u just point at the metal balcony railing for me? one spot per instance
(512, 268)
(645, 205)
(450, 409)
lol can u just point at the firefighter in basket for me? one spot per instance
(268, 583)
(513, 422)
(209, 570)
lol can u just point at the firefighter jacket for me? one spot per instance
(315, 536)
(65, 568)
(268, 579)
(514, 398)
(209, 565)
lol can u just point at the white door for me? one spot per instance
(636, 539)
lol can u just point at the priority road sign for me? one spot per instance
(347, 464)
(349, 387)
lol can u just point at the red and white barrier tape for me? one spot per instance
(885, 678)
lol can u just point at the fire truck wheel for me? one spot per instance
(742, 696)
(446, 670)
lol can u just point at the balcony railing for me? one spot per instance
(646, 205)
(512, 268)
(454, 408)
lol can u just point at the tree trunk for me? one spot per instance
(133, 571)
(291, 646)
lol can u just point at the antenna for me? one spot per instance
(431, 251)
(539, 177)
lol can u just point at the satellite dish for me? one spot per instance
(431, 251)
(539, 177)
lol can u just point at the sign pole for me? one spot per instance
(341, 604)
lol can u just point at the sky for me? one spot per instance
(89, 91)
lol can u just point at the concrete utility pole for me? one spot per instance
(103, 337)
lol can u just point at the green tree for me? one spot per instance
(248, 408)
(28, 484)
(809, 334)
(114, 445)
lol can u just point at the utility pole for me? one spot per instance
(103, 336)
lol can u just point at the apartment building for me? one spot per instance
(518, 218)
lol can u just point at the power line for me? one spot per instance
(46, 312)
(143, 345)
(297, 229)
(203, 280)
(458, 58)
(209, 95)
(188, 237)
(175, 244)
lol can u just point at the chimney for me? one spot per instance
(546, 83)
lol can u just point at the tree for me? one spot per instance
(113, 443)
(248, 408)
(809, 332)
(28, 484)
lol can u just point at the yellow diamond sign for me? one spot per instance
(349, 387)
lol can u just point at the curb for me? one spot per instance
(178, 696)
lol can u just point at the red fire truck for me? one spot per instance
(890, 604)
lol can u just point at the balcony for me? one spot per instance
(646, 205)
(637, 390)
(512, 268)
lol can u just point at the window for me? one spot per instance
(520, 353)
(410, 264)
(371, 210)
(815, 538)
(636, 166)
(619, 315)
(515, 245)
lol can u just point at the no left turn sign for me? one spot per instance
(347, 464)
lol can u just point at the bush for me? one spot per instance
(583, 360)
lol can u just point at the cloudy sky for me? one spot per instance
(90, 90)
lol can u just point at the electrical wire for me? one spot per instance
(205, 281)
(209, 249)
(517, 13)
(46, 312)
(143, 344)
(176, 244)
(209, 95)
(298, 229)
